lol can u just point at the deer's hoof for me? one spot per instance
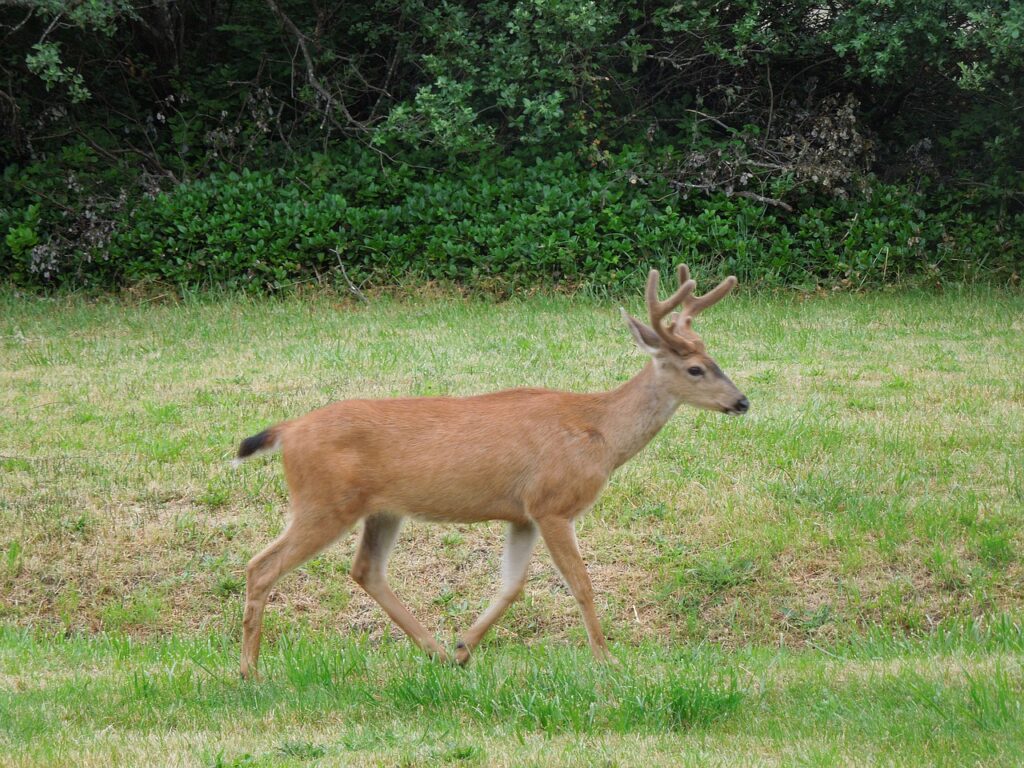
(437, 653)
(250, 675)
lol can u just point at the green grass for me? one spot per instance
(102, 699)
(832, 578)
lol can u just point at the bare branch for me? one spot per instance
(314, 81)
(20, 24)
(351, 286)
(766, 200)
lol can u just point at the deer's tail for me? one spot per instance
(265, 442)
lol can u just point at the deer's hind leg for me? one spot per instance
(519, 543)
(311, 530)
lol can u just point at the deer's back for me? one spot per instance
(467, 458)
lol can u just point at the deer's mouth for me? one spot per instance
(739, 407)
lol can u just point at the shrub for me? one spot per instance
(510, 220)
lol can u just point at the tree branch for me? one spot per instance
(314, 81)
(766, 200)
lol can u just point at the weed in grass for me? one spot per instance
(230, 585)
(808, 619)
(217, 495)
(996, 548)
(80, 525)
(462, 754)
(12, 559)
(302, 750)
(946, 569)
(141, 608)
(723, 570)
(15, 464)
(452, 538)
(245, 760)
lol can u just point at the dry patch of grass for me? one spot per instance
(875, 482)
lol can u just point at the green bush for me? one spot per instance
(508, 221)
(869, 143)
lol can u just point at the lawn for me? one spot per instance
(833, 578)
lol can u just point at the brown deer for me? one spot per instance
(535, 458)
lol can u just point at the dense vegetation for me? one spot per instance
(263, 142)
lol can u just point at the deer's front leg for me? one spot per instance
(560, 537)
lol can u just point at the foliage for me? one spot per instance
(772, 113)
(513, 220)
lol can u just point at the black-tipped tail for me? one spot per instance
(267, 440)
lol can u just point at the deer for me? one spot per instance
(533, 458)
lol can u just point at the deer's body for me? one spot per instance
(534, 458)
(434, 457)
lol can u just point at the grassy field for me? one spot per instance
(833, 578)
(102, 700)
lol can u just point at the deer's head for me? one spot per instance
(681, 362)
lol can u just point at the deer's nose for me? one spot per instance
(742, 405)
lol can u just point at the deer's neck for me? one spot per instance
(634, 413)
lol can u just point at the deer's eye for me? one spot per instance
(695, 370)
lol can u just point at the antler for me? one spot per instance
(657, 310)
(692, 305)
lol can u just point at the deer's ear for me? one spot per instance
(645, 337)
